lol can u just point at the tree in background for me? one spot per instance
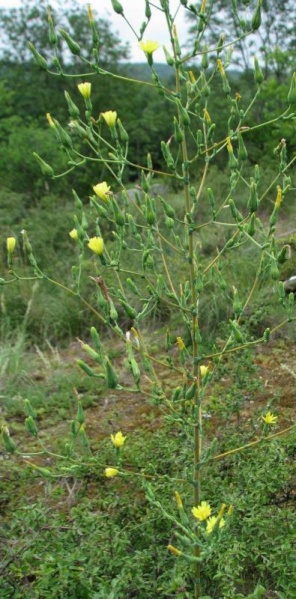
(275, 37)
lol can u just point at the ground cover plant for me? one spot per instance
(195, 499)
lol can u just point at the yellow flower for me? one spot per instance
(10, 244)
(207, 116)
(111, 472)
(178, 500)
(220, 66)
(85, 90)
(174, 550)
(73, 234)
(203, 511)
(212, 522)
(180, 343)
(50, 120)
(102, 190)
(110, 117)
(269, 418)
(279, 197)
(204, 371)
(118, 439)
(96, 245)
(149, 46)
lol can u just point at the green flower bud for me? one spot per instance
(253, 201)
(205, 58)
(9, 444)
(129, 310)
(39, 59)
(292, 90)
(236, 331)
(251, 226)
(111, 377)
(45, 168)
(242, 150)
(73, 109)
(258, 75)
(30, 411)
(117, 7)
(31, 426)
(234, 211)
(122, 132)
(80, 414)
(256, 20)
(85, 367)
(72, 45)
(170, 60)
(190, 393)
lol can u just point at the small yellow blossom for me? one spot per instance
(96, 245)
(102, 190)
(73, 234)
(174, 550)
(207, 116)
(220, 67)
(180, 343)
(118, 439)
(204, 370)
(110, 117)
(50, 120)
(85, 90)
(212, 522)
(90, 13)
(238, 96)
(203, 511)
(229, 145)
(178, 500)
(269, 418)
(10, 244)
(279, 197)
(149, 46)
(111, 472)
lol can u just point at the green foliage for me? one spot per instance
(201, 260)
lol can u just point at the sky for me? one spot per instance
(134, 11)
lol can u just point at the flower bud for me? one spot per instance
(10, 245)
(258, 75)
(117, 7)
(292, 90)
(39, 59)
(45, 168)
(72, 45)
(111, 376)
(256, 20)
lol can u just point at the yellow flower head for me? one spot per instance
(73, 234)
(202, 511)
(220, 67)
(229, 145)
(212, 522)
(96, 245)
(279, 197)
(110, 117)
(180, 343)
(10, 244)
(118, 439)
(178, 500)
(102, 190)
(204, 370)
(85, 90)
(111, 472)
(149, 46)
(50, 120)
(174, 550)
(207, 116)
(269, 418)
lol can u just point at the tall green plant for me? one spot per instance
(141, 228)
